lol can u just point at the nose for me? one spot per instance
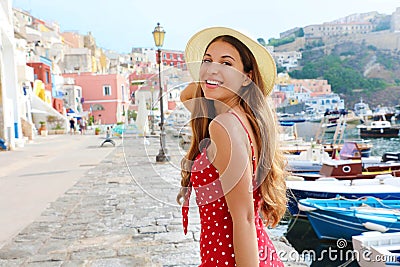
(212, 68)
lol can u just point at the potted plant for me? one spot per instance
(97, 131)
(59, 129)
(43, 129)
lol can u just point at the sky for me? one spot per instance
(120, 25)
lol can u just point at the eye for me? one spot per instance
(206, 60)
(227, 63)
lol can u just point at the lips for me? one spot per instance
(212, 84)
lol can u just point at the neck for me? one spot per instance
(222, 107)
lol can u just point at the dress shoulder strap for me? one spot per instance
(253, 158)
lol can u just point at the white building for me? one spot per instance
(326, 102)
(288, 60)
(10, 93)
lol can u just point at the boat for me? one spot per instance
(376, 249)
(312, 159)
(309, 160)
(362, 110)
(341, 218)
(291, 143)
(349, 164)
(397, 112)
(337, 141)
(387, 112)
(382, 186)
(378, 128)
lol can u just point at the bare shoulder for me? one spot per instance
(226, 128)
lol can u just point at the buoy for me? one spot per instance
(305, 208)
(375, 227)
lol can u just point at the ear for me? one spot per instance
(247, 80)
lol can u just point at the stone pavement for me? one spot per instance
(120, 213)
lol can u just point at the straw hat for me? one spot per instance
(196, 46)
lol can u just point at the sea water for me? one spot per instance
(309, 130)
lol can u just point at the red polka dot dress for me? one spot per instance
(216, 237)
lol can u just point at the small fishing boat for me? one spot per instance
(341, 218)
(378, 128)
(382, 186)
(351, 169)
(376, 249)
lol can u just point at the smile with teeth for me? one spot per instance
(212, 82)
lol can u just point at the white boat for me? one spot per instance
(309, 160)
(376, 249)
(362, 110)
(379, 128)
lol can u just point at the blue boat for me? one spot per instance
(341, 218)
(326, 188)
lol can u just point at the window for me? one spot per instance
(123, 92)
(106, 90)
(47, 77)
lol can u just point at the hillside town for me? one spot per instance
(49, 76)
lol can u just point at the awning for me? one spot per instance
(78, 115)
(38, 111)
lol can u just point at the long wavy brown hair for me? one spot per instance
(253, 99)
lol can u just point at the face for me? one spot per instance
(221, 73)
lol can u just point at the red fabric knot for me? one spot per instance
(185, 209)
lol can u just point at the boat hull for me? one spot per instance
(379, 132)
(341, 218)
(325, 189)
(336, 225)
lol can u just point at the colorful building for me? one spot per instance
(172, 58)
(104, 96)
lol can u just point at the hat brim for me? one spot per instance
(196, 46)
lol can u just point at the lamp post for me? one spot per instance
(158, 35)
(152, 111)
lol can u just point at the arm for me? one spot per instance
(188, 94)
(231, 158)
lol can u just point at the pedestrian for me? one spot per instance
(79, 126)
(72, 126)
(82, 125)
(234, 164)
(108, 137)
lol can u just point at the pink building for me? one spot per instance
(105, 96)
(315, 87)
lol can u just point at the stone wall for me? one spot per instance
(293, 46)
(27, 129)
(382, 40)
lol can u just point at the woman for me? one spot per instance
(234, 164)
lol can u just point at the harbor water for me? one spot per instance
(299, 232)
(308, 130)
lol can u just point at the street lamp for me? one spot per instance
(158, 35)
(152, 111)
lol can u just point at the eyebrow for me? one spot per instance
(226, 56)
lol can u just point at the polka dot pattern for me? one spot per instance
(216, 236)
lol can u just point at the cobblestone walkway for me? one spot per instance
(121, 213)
